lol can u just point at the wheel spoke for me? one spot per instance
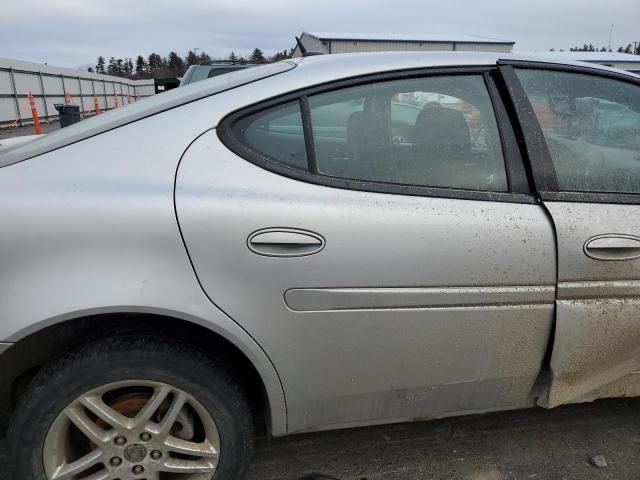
(178, 465)
(169, 418)
(81, 465)
(101, 475)
(131, 429)
(104, 412)
(159, 395)
(93, 432)
(204, 450)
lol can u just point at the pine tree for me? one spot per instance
(127, 67)
(112, 68)
(257, 56)
(175, 64)
(233, 57)
(141, 66)
(155, 63)
(100, 65)
(192, 58)
(283, 55)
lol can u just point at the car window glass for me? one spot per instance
(276, 133)
(436, 131)
(215, 71)
(591, 125)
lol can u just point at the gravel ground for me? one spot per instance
(532, 444)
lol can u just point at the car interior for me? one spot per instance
(397, 132)
(594, 142)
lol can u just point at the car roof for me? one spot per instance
(351, 64)
(226, 64)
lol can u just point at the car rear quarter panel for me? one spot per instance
(90, 228)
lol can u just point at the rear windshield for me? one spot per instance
(139, 110)
(214, 72)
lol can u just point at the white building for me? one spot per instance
(48, 85)
(382, 42)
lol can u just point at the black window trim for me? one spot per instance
(307, 131)
(516, 170)
(539, 157)
(512, 157)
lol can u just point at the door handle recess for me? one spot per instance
(613, 247)
(285, 242)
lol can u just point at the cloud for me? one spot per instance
(75, 32)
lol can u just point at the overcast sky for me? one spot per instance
(73, 33)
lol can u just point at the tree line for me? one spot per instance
(632, 48)
(173, 65)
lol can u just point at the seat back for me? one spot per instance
(369, 144)
(443, 145)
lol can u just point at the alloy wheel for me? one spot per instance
(132, 430)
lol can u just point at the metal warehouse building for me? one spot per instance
(381, 42)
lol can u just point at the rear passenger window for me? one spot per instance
(277, 134)
(591, 125)
(436, 131)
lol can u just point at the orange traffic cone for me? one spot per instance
(34, 114)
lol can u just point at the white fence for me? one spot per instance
(48, 85)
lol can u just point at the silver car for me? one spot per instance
(329, 242)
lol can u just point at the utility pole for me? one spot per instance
(610, 36)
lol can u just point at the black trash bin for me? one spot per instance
(69, 114)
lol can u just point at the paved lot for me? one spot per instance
(28, 130)
(533, 444)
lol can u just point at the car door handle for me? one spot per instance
(285, 242)
(613, 247)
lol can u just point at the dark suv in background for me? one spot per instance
(195, 73)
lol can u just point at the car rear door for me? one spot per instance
(582, 128)
(386, 282)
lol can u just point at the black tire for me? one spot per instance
(159, 359)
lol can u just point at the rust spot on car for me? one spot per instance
(597, 343)
(424, 418)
